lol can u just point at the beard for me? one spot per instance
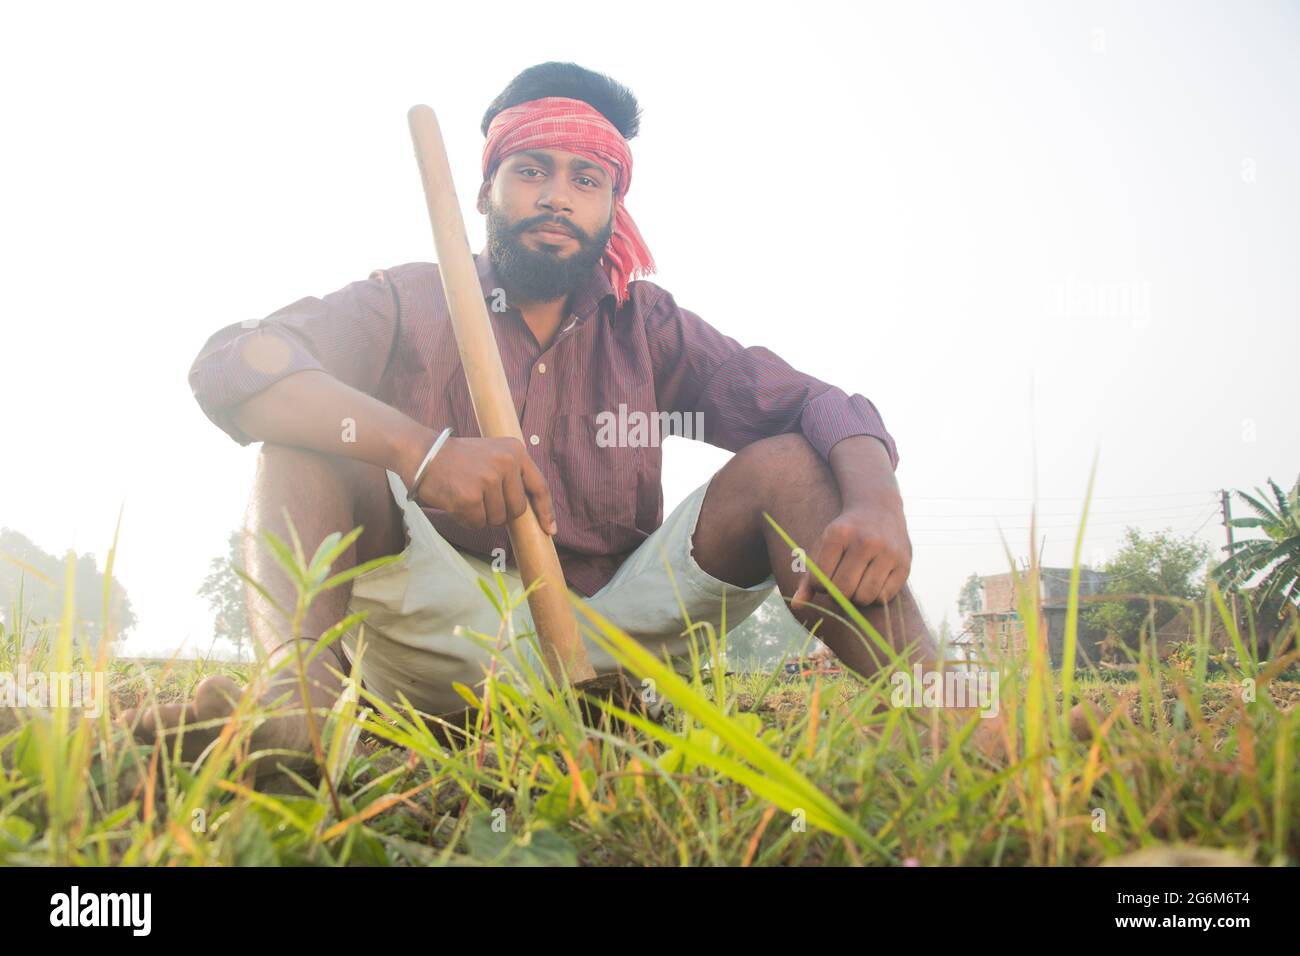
(541, 275)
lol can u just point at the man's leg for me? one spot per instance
(787, 478)
(322, 494)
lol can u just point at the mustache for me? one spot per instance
(566, 224)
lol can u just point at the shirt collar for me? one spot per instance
(586, 299)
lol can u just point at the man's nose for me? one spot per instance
(555, 199)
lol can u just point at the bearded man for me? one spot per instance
(349, 392)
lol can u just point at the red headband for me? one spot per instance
(559, 122)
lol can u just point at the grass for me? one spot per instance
(744, 770)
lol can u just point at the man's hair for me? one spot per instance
(614, 101)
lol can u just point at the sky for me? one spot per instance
(1031, 235)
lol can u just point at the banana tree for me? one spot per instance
(1276, 556)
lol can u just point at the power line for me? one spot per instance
(987, 544)
(1177, 509)
(1171, 494)
(1058, 527)
(1183, 522)
(1053, 521)
(1088, 538)
(1205, 522)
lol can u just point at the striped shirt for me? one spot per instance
(593, 405)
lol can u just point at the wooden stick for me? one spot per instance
(557, 629)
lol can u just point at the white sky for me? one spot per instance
(1026, 233)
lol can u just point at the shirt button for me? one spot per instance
(541, 366)
(533, 439)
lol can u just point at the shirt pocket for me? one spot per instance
(598, 476)
(649, 490)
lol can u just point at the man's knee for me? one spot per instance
(316, 470)
(780, 461)
(276, 461)
(340, 493)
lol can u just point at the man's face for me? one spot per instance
(540, 190)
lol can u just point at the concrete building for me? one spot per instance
(998, 626)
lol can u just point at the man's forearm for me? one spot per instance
(864, 472)
(312, 409)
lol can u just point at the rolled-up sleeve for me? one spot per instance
(744, 394)
(348, 334)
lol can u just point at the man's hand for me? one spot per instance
(479, 481)
(486, 481)
(865, 550)
(866, 553)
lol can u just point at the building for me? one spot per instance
(997, 626)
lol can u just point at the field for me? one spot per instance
(1191, 755)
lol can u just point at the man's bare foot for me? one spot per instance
(215, 698)
(990, 737)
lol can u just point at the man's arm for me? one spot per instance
(311, 409)
(864, 472)
(306, 376)
(745, 394)
(348, 334)
(865, 550)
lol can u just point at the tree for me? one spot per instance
(971, 599)
(766, 635)
(1158, 564)
(42, 591)
(1276, 557)
(224, 591)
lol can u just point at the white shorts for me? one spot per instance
(416, 602)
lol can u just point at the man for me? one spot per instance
(348, 393)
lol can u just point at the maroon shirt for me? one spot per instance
(391, 337)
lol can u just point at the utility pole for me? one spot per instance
(1225, 503)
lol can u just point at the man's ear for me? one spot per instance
(483, 192)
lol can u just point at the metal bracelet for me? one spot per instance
(424, 465)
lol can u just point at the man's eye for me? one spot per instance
(590, 180)
(530, 169)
